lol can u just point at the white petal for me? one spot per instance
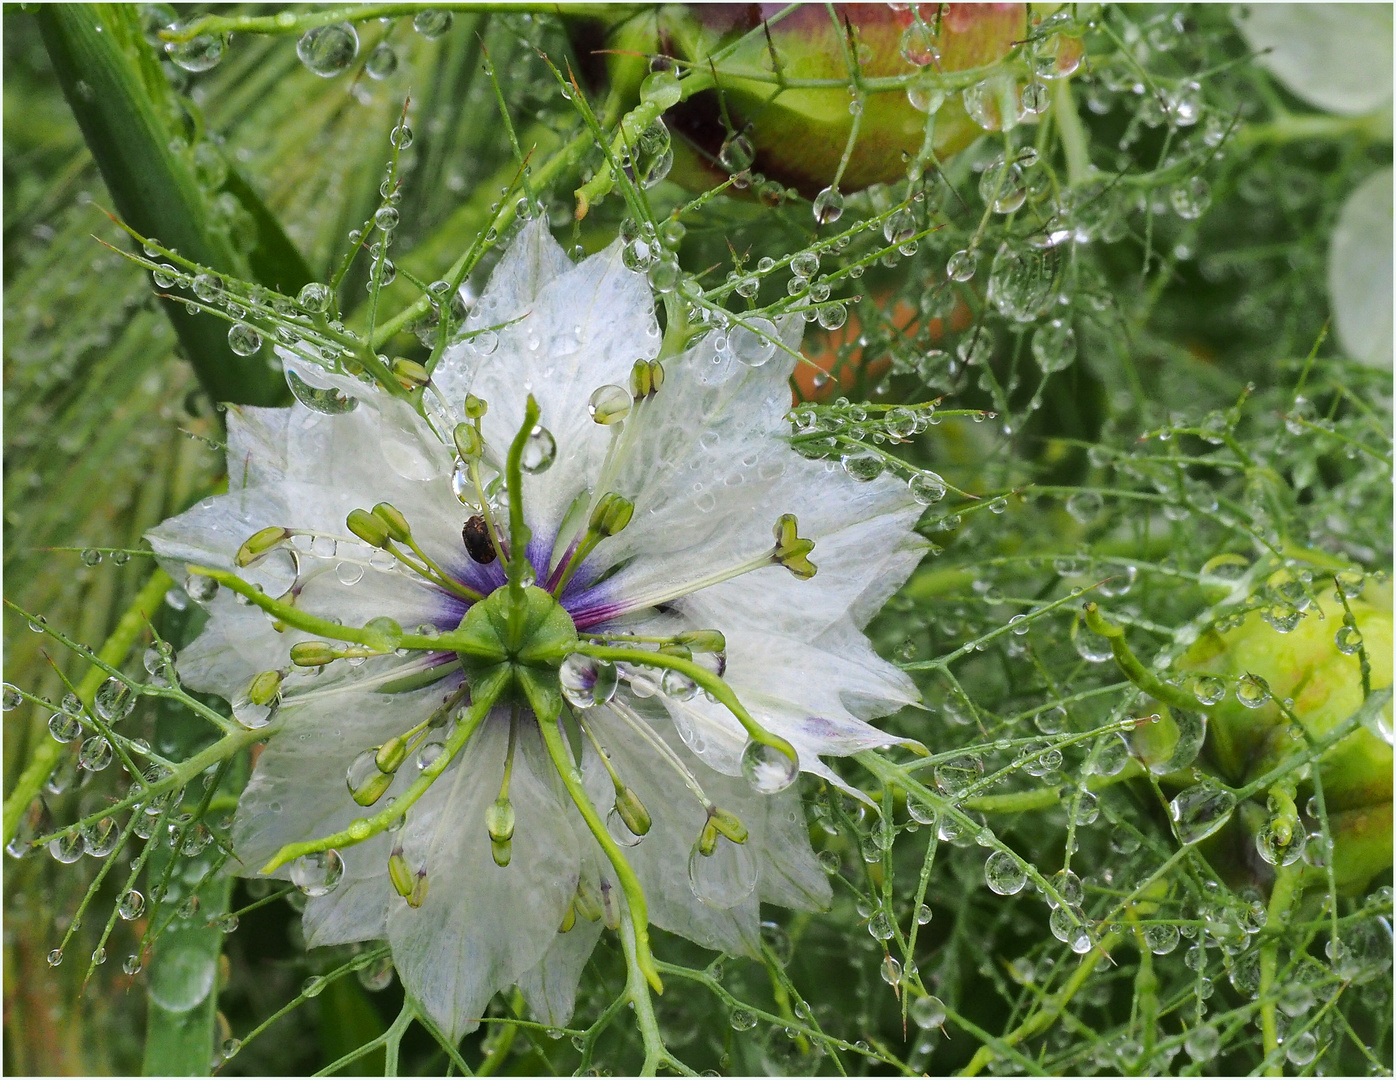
(1359, 272)
(1335, 56)
(483, 926)
(355, 911)
(550, 986)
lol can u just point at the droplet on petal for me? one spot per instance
(768, 769)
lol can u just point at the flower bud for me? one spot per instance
(313, 653)
(391, 754)
(264, 688)
(587, 902)
(372, 788)
(632, 811)
(400, 874)
(569, 919)
(410, 373)
(792, 550)
(728, 824)
(797, 136)
(1316, 665)
(613, 513)
(369, 528)
(475, 407)
(259, 543)
(469, 445)
(499, 820)
(393, 521)
(703, 641)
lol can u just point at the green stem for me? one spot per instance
(1282, 897)
(1133, 670)
(47, 754)
(638, 958)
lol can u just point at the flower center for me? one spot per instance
(518, 634)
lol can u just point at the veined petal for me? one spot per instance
(356, 911)
(482, 926)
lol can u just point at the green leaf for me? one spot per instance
(348, 1019)
(128, 116)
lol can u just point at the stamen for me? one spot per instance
(628, 806)
(612, 514)
(499, 818)
(641, 727)
(385, 527)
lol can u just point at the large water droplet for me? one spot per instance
(114, 701)
(64, 727)
(244, 339)
(1199, 811)
(328, 401)
(198, 53)
(328, 50)
(1004, 874)
(609, 404)
(755, 343)
(317, 874)
(726, 877)
(539, 451)
(927, 1012)
(586, 682)
(768, 769)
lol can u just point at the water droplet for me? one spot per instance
(55, 957)
(381, 63)
(1252, 691)
(609, 404)
(1302, 1048)
(755, 343)
(377, 975)
(64, 727)
(1191, 198)
(619, 830)
(131, 965)
(586, 682)
(741, 1020)
(328, 50)
(880, 925)
(114, 701)
(67, 847)
(11, 698)
(244, 339)
(962, 265)
(1054, 345)
(863, 466)
(1202, 1043)
(131, 904)
(95, 754)
(539, 451)
(828, 206)
(315, 297)
(927, 1012)
(1023, 280)
(1199, 811)
(431, 24)
(199, 53)
(726, 877)
(1004, 874)
(317, 874)
(768, 769)
(200, 587)
(736, 154)
(1348, 639)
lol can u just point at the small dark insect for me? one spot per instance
(477, 540)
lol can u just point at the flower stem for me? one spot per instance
(1286, 890)
(635, 920)
(1136, 672)
(704, 678)
(487, 691)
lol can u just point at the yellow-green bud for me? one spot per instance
(502, 851)
(419, 890)
(391, 754)
(259, 543)
(372, 789)
(587, 901)
(499, 820)
(791, 549)
(410, 373)
(569, 920)
(703, 641)
(728, 824)
(313, 653)
(392, 518)
(632, 811)
(369, 528)
(675, 649)
(475, 407)
(264, 687)
(707, 838)
(469, 445)
(612, 514)
(640, 381)
(400, 874)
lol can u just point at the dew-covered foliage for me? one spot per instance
(1069, 276)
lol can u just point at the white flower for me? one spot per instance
(702, 468)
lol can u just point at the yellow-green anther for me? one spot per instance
(392, 519)
(313, 653)
(475, 407)
(369, 528)
(675, 649)
(499, 820)
(703, 641)
(372, 789)
(419, 890)
(640, 380)
(469, 445)
(656, 376)
(288, 598)
(728, 824)
(264, 687)
(391, 754)
(612, 514)
(569, 920)
(259, 543)
(792, 550)
(502, 851)
(587, 902)
(400, 874)
(632, 811)
(410, 373)
(707, 839)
